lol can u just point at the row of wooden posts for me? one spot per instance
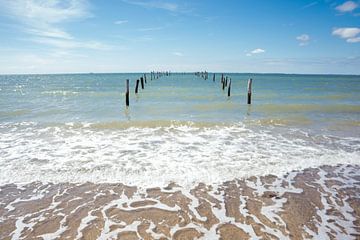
(226, 82)
(153, 75)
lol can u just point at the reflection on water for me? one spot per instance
(127, 113)
(248, 112)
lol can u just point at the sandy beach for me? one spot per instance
(179, 119)
(320, 203)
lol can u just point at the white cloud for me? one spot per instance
(350, 34)
(46, 11)
(258, 50)
(42, 19)
(179, 54)
(155, 4)
(119, 22)
(353, 40)
(303, 39)
(346, 32)
(255, 51)
(347, 6)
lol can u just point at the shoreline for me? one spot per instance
(324, 200)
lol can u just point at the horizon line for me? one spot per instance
(183, 72)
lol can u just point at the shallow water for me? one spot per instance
(180, 128)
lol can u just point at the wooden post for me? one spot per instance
(229, 88)
(249, 91)
(214, 78)
(142, 82)
(226, 81)
(137, 86)
(223, 83)
(222, 78)
(127, 93)
(151, 76)
(145, 77)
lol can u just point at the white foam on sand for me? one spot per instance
(341, 222)
(155, 156)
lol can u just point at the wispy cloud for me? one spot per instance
(46, 12)
(179, 54)
(350, 34)
(303, 39)
(71, 44)
(255, 51)
(169, 6)
(43, 19)
(149, 29)
(50, 33)
(347, 6)
(119, 22)
(135, 39)
(309, 5)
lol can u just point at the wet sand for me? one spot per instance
(321, 203)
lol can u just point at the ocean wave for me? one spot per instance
(156, 155)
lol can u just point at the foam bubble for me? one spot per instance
(155, 156)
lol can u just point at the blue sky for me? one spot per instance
(288, 36)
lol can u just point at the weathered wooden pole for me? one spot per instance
(214, 78)
(223, 84)
(137, 86)
(222, 78)
(142, 82)
(229, 88)
(127, 93)
(226, 81)
(249, 91)
(145, 77)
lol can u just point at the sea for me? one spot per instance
(180, 128)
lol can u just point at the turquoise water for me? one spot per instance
(324, 100)
(75, 127)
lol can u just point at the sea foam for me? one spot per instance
(154, 156)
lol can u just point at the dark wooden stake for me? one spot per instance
(223, 84)
(127, 93)
(137, 86)
(226, 81)
(142, 82)
(145, 77)
(229, 88)
(214, 78)
(249, 91)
